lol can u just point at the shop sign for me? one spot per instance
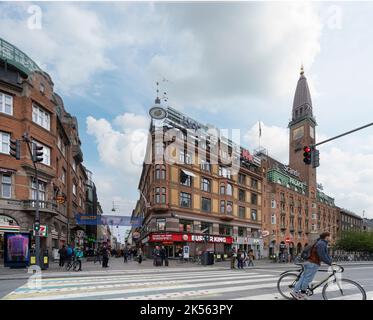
(43, 231)
(188, 238)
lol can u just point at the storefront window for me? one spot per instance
(225, 230)
(161, 224)
(206, 227)
(241, 232)
(186, 226)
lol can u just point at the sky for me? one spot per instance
(228, 64)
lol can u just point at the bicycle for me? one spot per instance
(333, 288)
(73, 264)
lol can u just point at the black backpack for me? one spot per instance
(306, 253)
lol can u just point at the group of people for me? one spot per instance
(160, 256)
(242, 258)
(69, 254)
(129, 254)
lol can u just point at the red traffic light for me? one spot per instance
(307, 149)
(307, 155)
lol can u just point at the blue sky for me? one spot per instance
(227, 64)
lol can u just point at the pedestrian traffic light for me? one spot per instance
(315, 158)
(307, 155)
(15, 148)
(37, 227)
(37, 153)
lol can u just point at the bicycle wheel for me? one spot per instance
(343, 289)
(286, 284)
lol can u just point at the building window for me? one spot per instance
(241, 178)
(242, 232)
(74, 165)
(205, 166)
(225, 230)
(61, 145)
(185, 200)
(160, 172)
(242, 195)
(254, 183)
(206, 185)
(46, 153)
(273, 204)
(4, 142)
(6, 186)
(161, 224)
(273, 218)
(229, 207)
(158, 148)
(242, 212)
(186, 226)
(254, 198)
(74, 189)
(206, 204)
(63, 176)
(254, 215)
(185, 180)
(160, 195)
(222, 188)
(222, 206)
(206, 227)
(6, 103)
(40, 116)
(229, 189)
(224, 172)
(185, 157)
(42, 190)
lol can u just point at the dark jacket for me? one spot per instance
(320, 253)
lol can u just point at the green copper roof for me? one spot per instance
(322, 197)
(276, 176)
(15, 57)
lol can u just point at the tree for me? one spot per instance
(356, 241)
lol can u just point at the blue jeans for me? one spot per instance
(307, 276)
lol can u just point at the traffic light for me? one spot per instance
(315, 158)
(37, 227)
(15, 149)
(37, 153)
(307, 155)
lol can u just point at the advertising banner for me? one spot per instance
(91, 219)
(17, 249)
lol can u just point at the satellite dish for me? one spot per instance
(158, 113)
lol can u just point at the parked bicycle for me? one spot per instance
(73, 264)
(333, 287)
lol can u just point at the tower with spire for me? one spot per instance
(302, 133)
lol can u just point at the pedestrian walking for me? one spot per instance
(318, 253)
(97, 254)
(156, 256)
(240, 259)
(162, 254)
(125, 255)
(78, 255)
(250, 258)
(62, 253)
(105, 257)
(233, 258)
(139, 256)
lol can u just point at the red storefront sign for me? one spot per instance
(177, 237)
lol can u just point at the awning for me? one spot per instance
(9, 228)
(188, 173)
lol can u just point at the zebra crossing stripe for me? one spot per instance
(49, 296)
(141, 281)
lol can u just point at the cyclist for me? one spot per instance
(319, 252)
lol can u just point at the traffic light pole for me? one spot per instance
(341, 135)
(37, 213)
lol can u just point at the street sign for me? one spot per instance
(60, 199)
(43, 230)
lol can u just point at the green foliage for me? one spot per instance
(356, 241)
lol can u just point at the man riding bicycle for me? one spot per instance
(319, 252)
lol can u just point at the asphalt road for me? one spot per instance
(189, 282)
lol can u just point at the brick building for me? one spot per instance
(295, 209)
(195, 193)
(29, 104)
(350, 221)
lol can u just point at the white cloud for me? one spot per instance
(70, 46)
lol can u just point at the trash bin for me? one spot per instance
(45, 260)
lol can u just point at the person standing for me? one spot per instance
(233, 258)
(105, 257)
(139, 254)
(251, 258)
(78, 254)
(62, 253)
(98, 255)
(125, 255)
(318, 254)
(240, 259)
(162, 254)
(156, 256)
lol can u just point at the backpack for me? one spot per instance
(69, 252)
(306, 253)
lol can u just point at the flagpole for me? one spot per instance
(260, 134)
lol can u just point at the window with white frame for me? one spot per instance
(40, 116)
(46, 153)
(273, 204)
(273, 218)
(4, 142)
(74, 165)
(6, 186)
(6, 103)
(42, 186)
(63, 176)
(74, 189)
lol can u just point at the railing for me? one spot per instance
(48, 205)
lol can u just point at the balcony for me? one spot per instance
(77, 153)
(226, 217)
(44, 206)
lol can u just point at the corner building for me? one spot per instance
(195, 196)
(295, 208)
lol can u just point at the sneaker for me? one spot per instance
(297, 295)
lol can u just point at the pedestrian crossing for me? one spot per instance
(154, 284)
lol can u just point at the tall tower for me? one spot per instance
(302, 133)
